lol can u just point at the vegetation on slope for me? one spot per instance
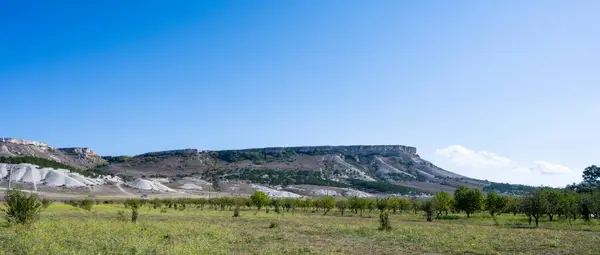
(506, 188)
(42, 162)
(232, 156)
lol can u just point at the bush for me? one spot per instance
(384, 221)
(429, 210)
(274, 224)
(46, 202)
(134, 205)
(236, 212)
(86, 204)
(21, 208)
(121, 216)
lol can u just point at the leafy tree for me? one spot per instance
(553, 198)
(21, 208)
(468, 200)
(415, 205)
(442, 202)
(591, 174)
(341, 205)
(513, 205)
(134, 205)
(328, 202)
(495, 202)
(590, 204)
(86, 204)
(381, 204)
(370, 205)
(569, 204)
(429, 209)
(535, 205)
(259, 199)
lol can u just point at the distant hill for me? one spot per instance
(374, 168)
(369, 167)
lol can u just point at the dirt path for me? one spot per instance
(124, 191)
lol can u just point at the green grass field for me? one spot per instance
(64, 229)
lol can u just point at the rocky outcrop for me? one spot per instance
(81, 153)
(25, 142)
(76, 157)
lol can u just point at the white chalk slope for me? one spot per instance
(190, 186)
(273, 192)
(28, 173)
(143, 184)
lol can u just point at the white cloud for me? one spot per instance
(549, 168)
(462, 156)
(491, 166)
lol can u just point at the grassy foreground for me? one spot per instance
(64, 229)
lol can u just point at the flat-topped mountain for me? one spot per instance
(376, 168)
(355, 165)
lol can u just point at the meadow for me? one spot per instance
(106, 229)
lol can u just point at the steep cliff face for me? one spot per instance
(77, 157)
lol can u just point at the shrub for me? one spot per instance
(21, 208)
(428, 208)
(259, 199)
(384, 221)
(134, 205)
(236, 212)
(86, 204)
(121, 216)
(163, 210)
(274, 224)
(46, 202)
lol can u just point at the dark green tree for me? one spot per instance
(259, 199)
(535, 205)
(495, 203)
(468, 200)
(553, 198)
(442, 202)
(591, 174)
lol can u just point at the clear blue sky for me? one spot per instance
(503, 80)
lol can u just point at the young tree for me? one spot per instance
(468, 200)
(569, 204)
(384, 221)
(381, 204)
(259, 199)
(370, 205)
(513, 205)
(341, 205)
(590, 204)
(429, 209)
(553, 198)
(495, 202)
(134, 205)
(415, 205)
(393, 204)
(20, 207)
(327, 202)
(442, 202)
(535, 205)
